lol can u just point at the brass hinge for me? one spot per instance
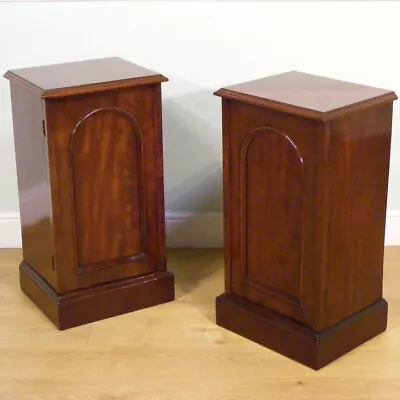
(53, 263)
(44, 128)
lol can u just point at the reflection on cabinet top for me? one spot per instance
(308, 95)
(59, 80)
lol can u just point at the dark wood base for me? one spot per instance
(297, 341)
(99, 302)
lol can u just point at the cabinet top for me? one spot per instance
(307, 95)
(59, 80)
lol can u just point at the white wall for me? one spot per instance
(201, 46)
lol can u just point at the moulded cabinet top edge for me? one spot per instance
(60, 80)
(307, 95)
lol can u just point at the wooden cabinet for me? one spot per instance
(306, 163)
(88, 142)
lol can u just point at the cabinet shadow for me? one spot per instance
(199, 277)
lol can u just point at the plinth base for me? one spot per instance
(99, 302)
(297, 341)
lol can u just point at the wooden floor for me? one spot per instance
(175, 351)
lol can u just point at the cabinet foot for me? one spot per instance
(98, 302)
(295, 340)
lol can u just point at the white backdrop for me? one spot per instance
(201, 46)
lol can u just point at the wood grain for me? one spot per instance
(94, 162)
(66, 79)
(33, 181)
(297, 341)
(359, 158)
(132, 173)
(305, 179)
(265, 154)
(102, 301)
(308, 95)
(100, 163)
(175, 350)
(285, 214)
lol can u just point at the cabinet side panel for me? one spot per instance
(33, 183)
(156, 207)
(358, 179)
(227, 184)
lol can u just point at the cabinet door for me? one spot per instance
(274, 173)
(105, 153)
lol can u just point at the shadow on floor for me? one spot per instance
(194, 269)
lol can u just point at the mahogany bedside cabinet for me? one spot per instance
(306, 163)
(88, 141)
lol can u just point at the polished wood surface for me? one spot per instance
(297, 341)
(359, 165)
(97, 158)
(65, 79)
(93, 155)
(304, 207)
(175, 350)
(33, 181)
(87, 305)
(294, 229)
(272, 213)
(107, 219)
(305, 94)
